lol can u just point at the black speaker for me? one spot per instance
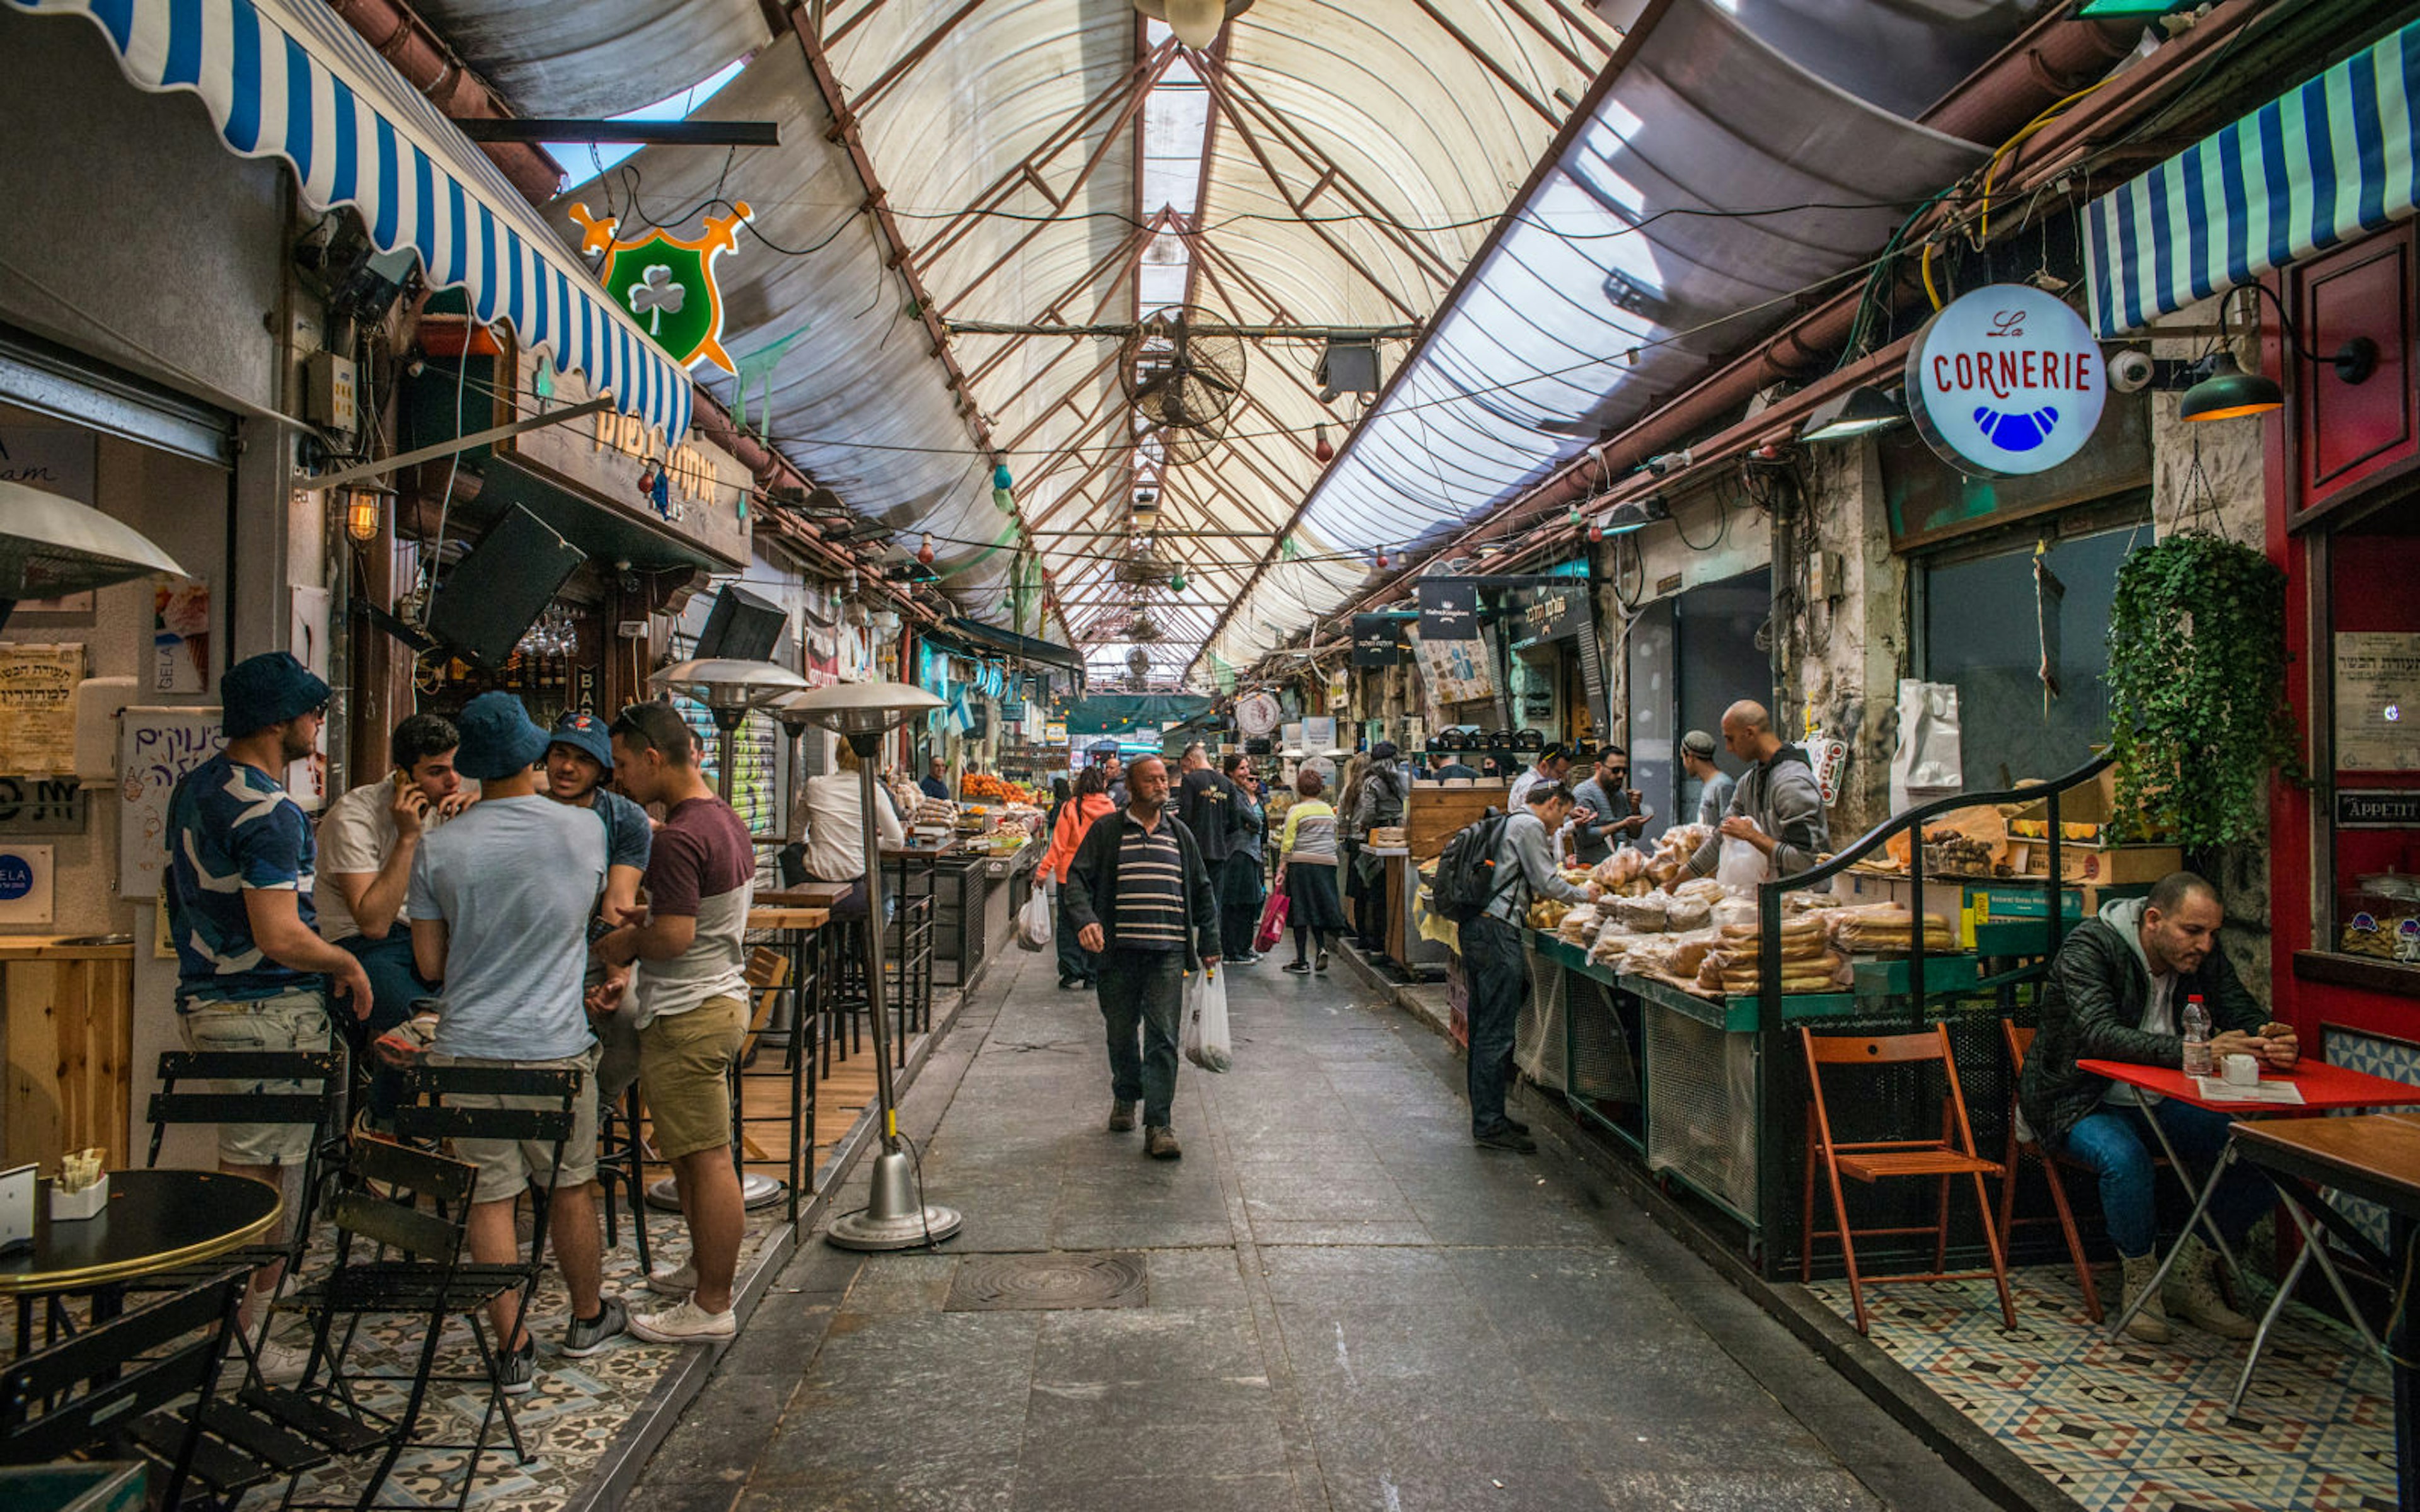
(741, 626)
(499, 587)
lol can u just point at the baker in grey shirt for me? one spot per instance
(500, 905)
(1776, 806)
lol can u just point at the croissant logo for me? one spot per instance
(2016, 432)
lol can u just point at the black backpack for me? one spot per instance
(1466, 874)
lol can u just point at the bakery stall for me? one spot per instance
(1667, 1013)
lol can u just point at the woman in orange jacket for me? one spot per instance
(1077, 966)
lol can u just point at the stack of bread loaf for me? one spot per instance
(1886, 929)
(1807, 963)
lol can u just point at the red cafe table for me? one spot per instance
(2325, 1088)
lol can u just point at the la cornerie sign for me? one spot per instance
(2006, 380)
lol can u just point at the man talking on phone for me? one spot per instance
(367, 840)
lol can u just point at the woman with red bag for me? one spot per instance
(1077, 964)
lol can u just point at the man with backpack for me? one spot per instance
(1486, 879)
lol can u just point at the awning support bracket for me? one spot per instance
(357, 472)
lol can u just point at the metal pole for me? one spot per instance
(867, 747)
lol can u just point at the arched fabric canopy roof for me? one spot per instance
(960, 179)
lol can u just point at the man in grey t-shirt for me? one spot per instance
(501, 899)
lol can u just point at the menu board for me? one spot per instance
(2377, 700)
(38, 708)
(1456, 670)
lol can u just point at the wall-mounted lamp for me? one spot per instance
(2226, 391)
(1858, 412)
(364, 510)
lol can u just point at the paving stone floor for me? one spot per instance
(1346, 1305)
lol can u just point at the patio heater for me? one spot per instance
(895, 1215)
(730, 689)
(50, 546)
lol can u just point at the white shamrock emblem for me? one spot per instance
(655, 294)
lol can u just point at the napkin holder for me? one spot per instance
(68, 1207)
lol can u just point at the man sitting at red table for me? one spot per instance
(2115, 991)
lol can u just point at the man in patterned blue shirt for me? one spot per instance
(251, 973)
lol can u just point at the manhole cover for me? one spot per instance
(1026, 1283)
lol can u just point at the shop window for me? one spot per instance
(1690, 658)
(1987, 622)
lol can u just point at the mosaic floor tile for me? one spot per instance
(2121, 1426)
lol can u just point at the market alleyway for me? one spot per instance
(1343, 1304)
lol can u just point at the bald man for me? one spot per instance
(1777, 806)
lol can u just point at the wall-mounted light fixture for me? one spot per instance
(364, 511)
(2226, 391)
(1858, 412)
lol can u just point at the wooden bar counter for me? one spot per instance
(67, 1026)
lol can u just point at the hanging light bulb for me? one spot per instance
(1382, 559)
(1596, 531)
(1176, 583)
(1320, 448)
(1000, 476)
(924, 552)
(1575, 514)
(1004, 500)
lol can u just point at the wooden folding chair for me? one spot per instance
(1873, 1161)
(2019, 1041)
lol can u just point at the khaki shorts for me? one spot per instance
(509, 1167)
(292, 1020)
(684, 1065)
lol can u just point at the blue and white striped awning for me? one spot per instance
(2305, 172)
(288, 78)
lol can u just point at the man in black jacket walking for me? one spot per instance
(2117, 990)
(1141, 900)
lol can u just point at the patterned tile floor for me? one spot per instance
(568, 1423)
(2125, 1426)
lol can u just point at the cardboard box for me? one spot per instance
(2102, 864)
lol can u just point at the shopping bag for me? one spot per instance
(1204, 1041)
(1740, 866)
(1273, 918)
(1033, 921)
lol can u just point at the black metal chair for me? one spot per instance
(322, 1108)
(140, 1385)
(417, 1204)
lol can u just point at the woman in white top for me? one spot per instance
(835, 838)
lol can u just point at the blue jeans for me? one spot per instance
(396, 993)
(1493, 963)
(2112, 1144)
(1142, 995)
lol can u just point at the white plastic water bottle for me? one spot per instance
(2197, 1037)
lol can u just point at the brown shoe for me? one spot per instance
(1121, 1118)
(1160, 1143)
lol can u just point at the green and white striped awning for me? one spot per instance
(2311, 170)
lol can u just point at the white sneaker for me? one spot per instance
(282, 1365)
(685, 1322)
(674, 1281)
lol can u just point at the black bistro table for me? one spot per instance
(154, 1220)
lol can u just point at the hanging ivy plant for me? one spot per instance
(2197, 709)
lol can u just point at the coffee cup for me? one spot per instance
(2241, 1070)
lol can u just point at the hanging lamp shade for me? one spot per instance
(2229, 393)
(50, 546)
(1195, 22)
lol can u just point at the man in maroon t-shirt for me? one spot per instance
(692, 1008)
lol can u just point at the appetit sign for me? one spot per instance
(2006, 380)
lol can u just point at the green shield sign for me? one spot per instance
(665, 289)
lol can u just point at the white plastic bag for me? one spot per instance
(1740, 866)
(1205, 1039)
(1033, 921)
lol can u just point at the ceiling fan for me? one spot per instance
(1181, 381)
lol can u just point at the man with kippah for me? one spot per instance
(251, 973)
(501, 899)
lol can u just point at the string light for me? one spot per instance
(1322, 448)
(924, 552)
